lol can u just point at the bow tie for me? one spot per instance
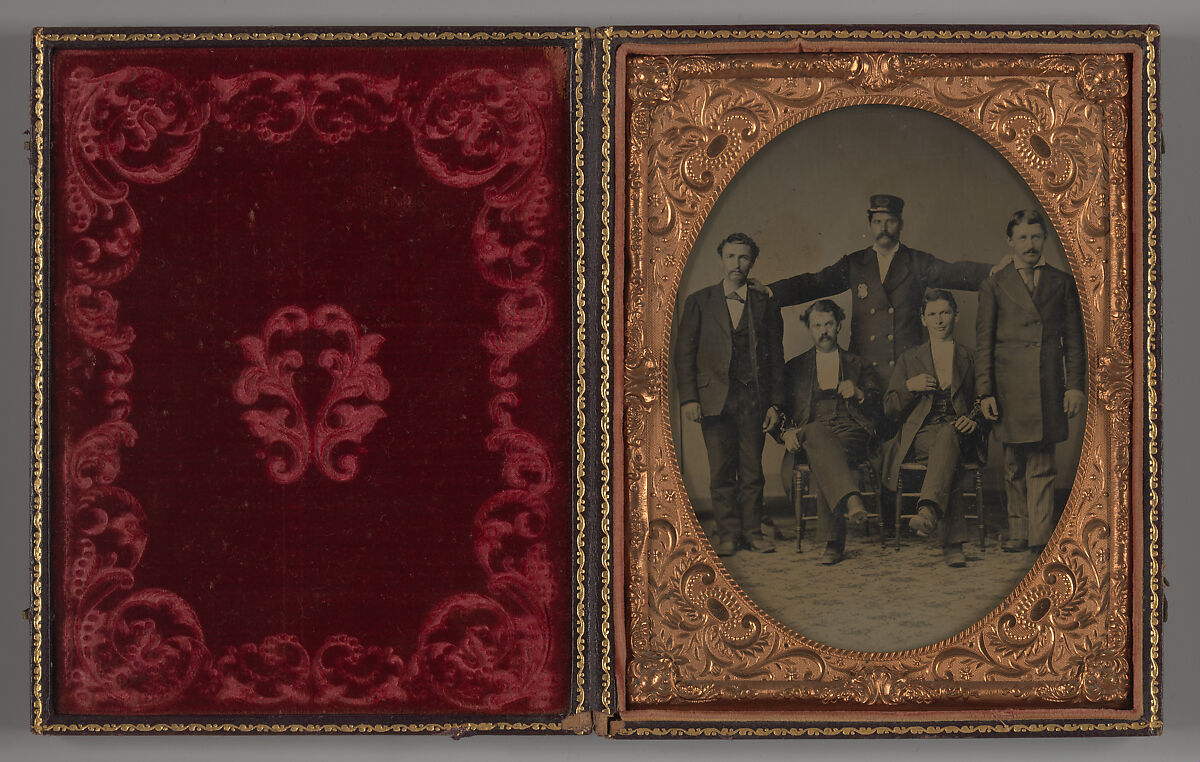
(735, 296)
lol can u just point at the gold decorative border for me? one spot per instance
(38, 406)
(580, 388)
(1152, 382)
(38, 320)
(1151, 490)
(860, 731)
(919, 35)
(606, 359)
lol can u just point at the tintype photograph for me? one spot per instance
(887, 398)
(879, 382)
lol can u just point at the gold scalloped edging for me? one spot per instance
(1152, 412)
(37, 723)
(899, 730)
(880, 34)
(300, 36)
(451, 728)
(606, 547)
(580, 387)
(39, 377)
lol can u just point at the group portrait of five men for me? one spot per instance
(903, 391)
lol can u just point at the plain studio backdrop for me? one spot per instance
(803, 198)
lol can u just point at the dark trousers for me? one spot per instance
(734, 441)
(1029, 473)
(939, 447)
(831, 443)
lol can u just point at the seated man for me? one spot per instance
(825, 392)
(932, 394)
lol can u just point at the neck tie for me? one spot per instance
(735, 296)
(1027, 275)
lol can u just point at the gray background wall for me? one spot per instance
(803, 199)
(1180, 20)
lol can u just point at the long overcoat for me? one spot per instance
(1029, 349)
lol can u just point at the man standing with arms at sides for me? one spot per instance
(729, 375)
(1030, 374)
(827, 391)
(932, 393)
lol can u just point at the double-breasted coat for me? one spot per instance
(704, 349)
(1029, 349)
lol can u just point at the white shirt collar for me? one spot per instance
(740, 290)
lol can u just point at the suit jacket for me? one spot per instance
(800, 382)
(886, 315)
(1029, 350)
(913, 408)
(704, 349)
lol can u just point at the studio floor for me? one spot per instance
(877, 598)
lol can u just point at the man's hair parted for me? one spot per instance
(741, 238)
(1026, 216)
(829, 307)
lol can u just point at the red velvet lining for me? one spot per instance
(311, 380)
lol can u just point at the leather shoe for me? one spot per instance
(953, 555)
(760, 545)
(726, 548)
(833, 554)
(774, 532)
(1015, 546)
(924, 522)
(1036, 549)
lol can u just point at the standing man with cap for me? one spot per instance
(887, 281)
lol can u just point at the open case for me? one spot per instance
(356, 399)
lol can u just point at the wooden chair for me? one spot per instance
(801, 476)
(971, 485)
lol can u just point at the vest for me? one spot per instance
(741, 365)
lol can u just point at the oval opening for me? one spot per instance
(717, 145)
(717, 609)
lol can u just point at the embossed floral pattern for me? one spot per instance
(270, 375)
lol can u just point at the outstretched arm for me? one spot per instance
(964, 276)
(806, 287)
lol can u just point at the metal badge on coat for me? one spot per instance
(862, 290)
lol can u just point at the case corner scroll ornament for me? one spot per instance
(1062, 121)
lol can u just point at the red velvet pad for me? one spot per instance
(311, 380)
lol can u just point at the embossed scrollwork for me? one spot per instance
(1062, 121)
